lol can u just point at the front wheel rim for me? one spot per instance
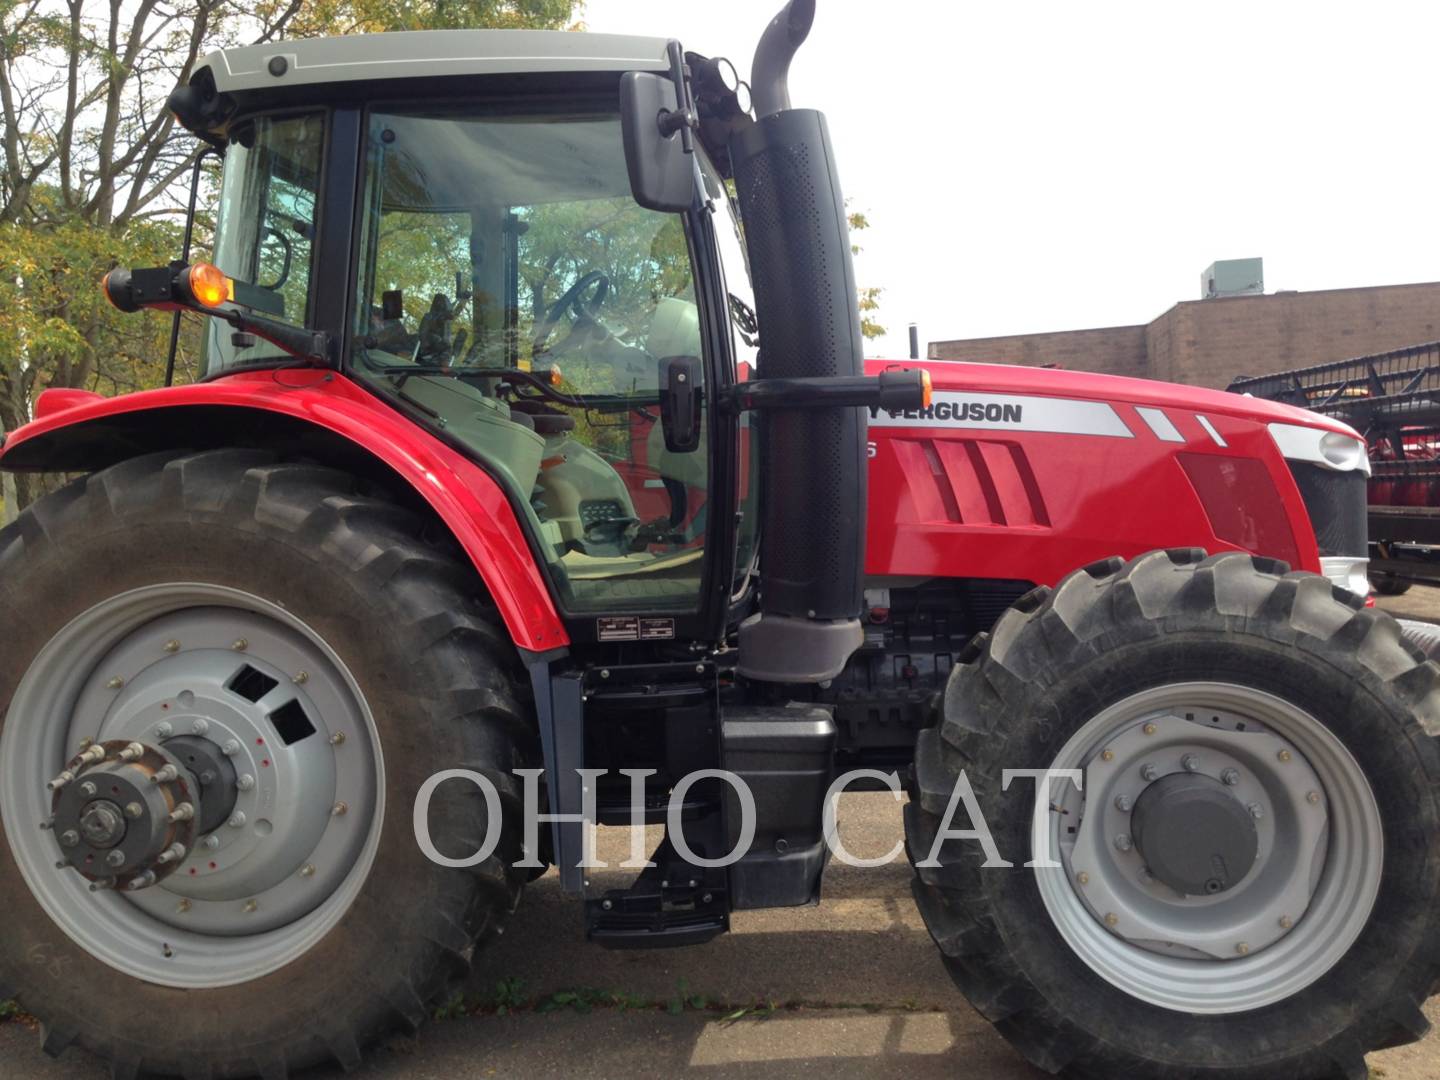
(1299, 908)
(188, 658)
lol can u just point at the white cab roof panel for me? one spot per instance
(431, 53)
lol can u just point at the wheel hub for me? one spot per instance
(102, 824)
(124, 814)
(1194, 835)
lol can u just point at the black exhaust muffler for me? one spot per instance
(813, 460)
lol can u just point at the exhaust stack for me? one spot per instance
(813, 468)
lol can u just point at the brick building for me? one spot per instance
(1209, 342)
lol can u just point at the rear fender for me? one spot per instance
(323, 416)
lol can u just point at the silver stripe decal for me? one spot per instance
(1008, 412)
(1160, 424)
(1209, 427)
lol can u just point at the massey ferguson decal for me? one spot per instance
(1008, 412)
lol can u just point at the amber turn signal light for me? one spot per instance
(553, 376)
(117, 289)
(206, 285)
(928, 389)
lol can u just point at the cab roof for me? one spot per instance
(428, 54)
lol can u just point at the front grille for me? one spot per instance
(1336, 504)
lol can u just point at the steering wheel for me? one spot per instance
(586, 311)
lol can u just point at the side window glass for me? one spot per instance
(513, 290)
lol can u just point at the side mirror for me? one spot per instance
(680, 381)
(662, 174)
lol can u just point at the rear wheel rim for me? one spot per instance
(1296, 911)
(289, 862)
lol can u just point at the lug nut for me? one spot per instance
(174, 853)
(1111, 919)
(1286, 922)
(245, 782)
(89, 790)
(1149, 729)
(1283, 755)
(134, 752)
(1312, 797)
(200, 726)
(340, 809)
(116, 683)
(1107, 755)
(61, 780)
(69, 838)
(184, 812)
(1190, 763)
(141, 881)
(163, 730)
(237, 819)
(183, 906)
(1242, 948)
(1230, 777)
(1083, 878)
(165, 775)
(102, 885)
(300, 678)
(1149, 772)
(133, 810)
(116, 858)
(212, 841)
(231, 748)
(1123, 803)
(250, 907)
(240, 644)
(308, 870)
(91, 755)
(337, 738)
(1123, 842)
(1256, 811)
(172, 645)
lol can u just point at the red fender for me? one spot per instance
(468, 499)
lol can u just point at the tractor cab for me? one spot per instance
(478, 259)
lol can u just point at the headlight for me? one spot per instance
(1328, 449)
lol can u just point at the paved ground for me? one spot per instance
(860, 989)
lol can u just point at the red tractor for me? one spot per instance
(516, 463)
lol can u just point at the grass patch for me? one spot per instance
(510, 996)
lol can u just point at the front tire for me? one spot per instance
(170, 570)
(1289, 692)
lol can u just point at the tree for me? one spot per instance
(869, 294)
(94, 170)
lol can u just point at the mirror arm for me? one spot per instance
(895, 390)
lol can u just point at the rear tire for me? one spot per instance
(1108, 635)
(407, 619)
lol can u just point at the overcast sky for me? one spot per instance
(1050, 166)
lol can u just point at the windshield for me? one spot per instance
(265, 230)
(512, 290)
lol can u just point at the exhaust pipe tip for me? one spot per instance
(770, 70)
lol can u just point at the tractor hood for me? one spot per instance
(1052, 383)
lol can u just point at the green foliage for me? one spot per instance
(509, 995)
(94, 171)
(8, 1011)
(869, 294)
